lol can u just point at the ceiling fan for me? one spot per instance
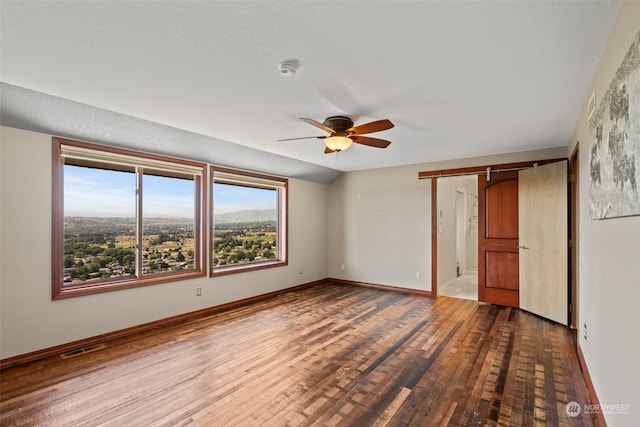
(342, 133)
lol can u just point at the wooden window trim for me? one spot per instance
(58, 290)
(283, 223)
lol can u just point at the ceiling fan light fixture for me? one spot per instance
(342, 133)
(338, 143)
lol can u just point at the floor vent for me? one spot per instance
(83, 350)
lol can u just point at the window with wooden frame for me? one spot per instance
(123, 218)
(248, 221)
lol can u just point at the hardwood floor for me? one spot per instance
(334, 355)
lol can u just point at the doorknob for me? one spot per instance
(522, 247)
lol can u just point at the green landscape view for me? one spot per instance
(103, 248)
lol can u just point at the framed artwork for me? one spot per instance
(614, 164)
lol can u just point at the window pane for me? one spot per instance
(123, 219)
(245, 224)
(168, 221)
(99, 224)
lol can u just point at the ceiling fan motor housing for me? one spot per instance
(339, 124)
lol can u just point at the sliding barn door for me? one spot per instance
(498, 269)
(543, 232)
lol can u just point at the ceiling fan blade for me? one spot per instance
(328, 150)
(303, 137)
(318, 125)
(377, 126)
(371, 142)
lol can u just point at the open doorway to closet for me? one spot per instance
(458, 237)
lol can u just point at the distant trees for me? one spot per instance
(123, 256)
(101, 248)
(91, 254)
(244, 242)
(240, 255)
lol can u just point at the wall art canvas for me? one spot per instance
(614, 164)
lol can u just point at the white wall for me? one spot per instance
(609, 260)
(380, 220)
(379, 228)
(30, 320)
(472, 224)
(447, 228)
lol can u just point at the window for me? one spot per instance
(123, 219)
(249, 221)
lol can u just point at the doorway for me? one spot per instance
(574, 234)
(457, 227)
(438, 231)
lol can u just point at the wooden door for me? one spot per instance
(573, 237)
(498, 258)
(543, 234)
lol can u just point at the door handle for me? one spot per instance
(522, 247)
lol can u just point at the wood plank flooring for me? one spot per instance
(332, 355)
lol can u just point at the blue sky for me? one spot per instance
(98, 192)
(229, 198)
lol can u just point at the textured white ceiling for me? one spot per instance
(458, 79)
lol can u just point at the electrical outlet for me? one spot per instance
(342, 267)
(301, 270)
(198, 292)
(418, 275)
